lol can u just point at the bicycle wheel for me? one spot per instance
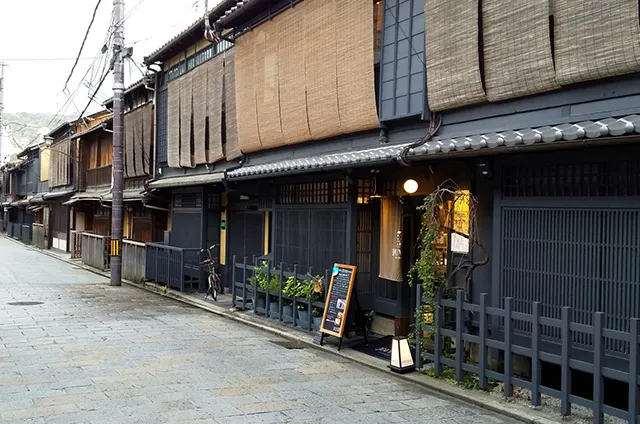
(213, 287)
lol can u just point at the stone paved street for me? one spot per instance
(95, 354)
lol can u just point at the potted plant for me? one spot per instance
(274, 292)
(260, 280)
(289, 289)
(317, 316)
(311, 290)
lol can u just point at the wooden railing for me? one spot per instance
(38, 236)
(133, 260)
(95, 251)
(76, 244)
(179, 268)
(99, 176)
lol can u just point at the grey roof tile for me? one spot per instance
(529, 136)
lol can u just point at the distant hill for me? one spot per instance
(24, 126)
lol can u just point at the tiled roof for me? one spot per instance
(627, 125)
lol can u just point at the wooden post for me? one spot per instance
(598, 357)
(508, 357)
(459, 342)
(418, 324)
(437, 342)
(565, 404)
(535, 356)
(483, 342)
(280, 277)
(633, 372)
(295, 302)
(233, 280)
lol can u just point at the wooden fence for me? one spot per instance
(95, 251)
(177, 267)
(246, 294)
(133, 260)
(38, 236)
(76, 244)
(495, 330)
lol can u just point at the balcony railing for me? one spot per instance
(133, 260)
(95, 251)
(97, 177)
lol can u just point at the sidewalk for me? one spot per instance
(223, 307)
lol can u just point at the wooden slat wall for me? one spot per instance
(215, 72)
(356, 76)
(321, 79)
(597, 41)
(292, 82)
(186, 112)
(453, 57)
(200, 113)
(517, 48)
(246, 113)
(59, 168)
(173, 124)
(233, 145)
(267, 88)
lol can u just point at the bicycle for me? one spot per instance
(213, 278)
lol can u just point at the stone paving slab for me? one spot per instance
(91, 353)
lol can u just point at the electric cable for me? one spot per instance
(84, 40)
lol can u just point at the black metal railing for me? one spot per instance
(176, 267)
(271, 301)
(38, 236)
(493, 328)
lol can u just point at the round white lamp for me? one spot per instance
(410, 186)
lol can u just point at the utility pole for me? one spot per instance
(118, 143)
(2, 65)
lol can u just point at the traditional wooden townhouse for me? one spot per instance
(346, 115)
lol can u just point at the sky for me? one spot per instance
(40, 38)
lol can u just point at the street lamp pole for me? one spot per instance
(118, 143)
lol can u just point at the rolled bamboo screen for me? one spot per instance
(356, 77)
(147, 134)
(321, 76)
(267, 92)
(292, 82)
(597, 39)
(186, 112)
(312, 78)
(215, 70)
(129, 143)
(517, 48)
(138, 150)
(453, 59)
(173, 123)
(233, 146)
(200, 113)
(246, 113)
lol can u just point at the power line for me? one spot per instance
(84, 40)
(44, 59)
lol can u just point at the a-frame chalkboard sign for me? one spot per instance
(336, 308)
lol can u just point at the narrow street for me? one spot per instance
(90, 353)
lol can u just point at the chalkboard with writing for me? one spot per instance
(336, 307)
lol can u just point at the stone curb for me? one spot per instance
(479, 399)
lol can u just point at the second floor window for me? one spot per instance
(100, 153)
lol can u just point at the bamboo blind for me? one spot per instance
(186, 113)
(147, 135)
(291, 73)
(356, 78)
(138, 150)
(453, 59)
(517, 48)
(200, 113)
(320, 69)
(173, 123)
(129, 144)
(246, 113)
(232, 150)
(215, 70)
(594, 41)
(267, 89)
